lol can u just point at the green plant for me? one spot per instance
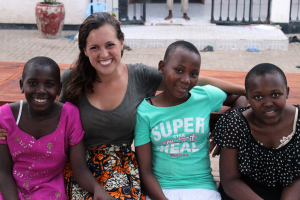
(50, 2)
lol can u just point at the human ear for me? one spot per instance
(85, 52)
(21, 86)
(161, 67)
(287, 92)
(246, 95)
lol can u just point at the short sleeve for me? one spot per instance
(228, 130)
(216, 96)
(6, 118)
(74, 129)
(148, 78)
(142, 130)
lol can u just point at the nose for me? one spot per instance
(41, 88)
(103, 52)
(268, 102)
(185, 79)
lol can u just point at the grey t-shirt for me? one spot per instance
(117, 126)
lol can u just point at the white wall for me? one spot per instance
(280, 11)
(23, 11)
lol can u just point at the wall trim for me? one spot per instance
(67, 27)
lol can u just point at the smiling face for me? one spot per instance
(181, 73)
(103, 49)
(41, 86)
(267, 96)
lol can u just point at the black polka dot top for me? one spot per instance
(265, 165)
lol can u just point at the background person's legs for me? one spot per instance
(185, 8)
(169, 6)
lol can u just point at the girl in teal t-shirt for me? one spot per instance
(172, 130)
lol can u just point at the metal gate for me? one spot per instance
(240, 12)
(132, 11)
(294, 11)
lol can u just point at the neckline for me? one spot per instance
(258, 143)
(170, 107)
(122, 102)
(56, 130)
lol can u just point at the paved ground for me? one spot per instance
(21, 45)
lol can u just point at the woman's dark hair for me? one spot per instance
(83, 74)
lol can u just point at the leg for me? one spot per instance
(170, 16)
(185, 8)
(169, 7)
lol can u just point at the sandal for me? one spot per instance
(207, 48)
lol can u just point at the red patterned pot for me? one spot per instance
(50, 19)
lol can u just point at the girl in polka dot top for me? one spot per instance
(260, 144)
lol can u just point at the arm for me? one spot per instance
(226, 86)
(83, 175)
(291, 192)
(8, 186)
(148, 180)
(235, 101)
(3, 134)
(230, 177)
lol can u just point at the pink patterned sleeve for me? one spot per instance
(74, 129)
(5, 114)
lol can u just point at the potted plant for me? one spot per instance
(50, 16)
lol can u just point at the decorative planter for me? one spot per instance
(50, 19)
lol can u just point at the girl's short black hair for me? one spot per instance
(42, 61)
(180, 44)
(263, 69)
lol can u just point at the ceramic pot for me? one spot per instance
(50, 19)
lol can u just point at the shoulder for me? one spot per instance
(140, 68)
(6, 116)
(15, 107)
(209, 89)
(66, 73)
(6, 108)
(231, 124)
(70, 108)
(144, 106)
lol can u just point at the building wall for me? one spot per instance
(23, 11)
(280, 11)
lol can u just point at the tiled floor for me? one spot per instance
(21, 45)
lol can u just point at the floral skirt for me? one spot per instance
(114, 167)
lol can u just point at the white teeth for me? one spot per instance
(40, 100)
(180, 87)
(105, 62)
(271, 111)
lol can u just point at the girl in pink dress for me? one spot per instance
(41, 133)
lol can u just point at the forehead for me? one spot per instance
(47, 72)
(266, 81)
(183, 55)
(105, 32)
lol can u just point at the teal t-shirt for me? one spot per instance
(178, 137)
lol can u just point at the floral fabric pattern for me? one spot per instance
(115, 168)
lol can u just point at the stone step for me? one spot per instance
(261, 37)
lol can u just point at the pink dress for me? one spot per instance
(38, 163)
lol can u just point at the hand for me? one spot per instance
(3, 134)
(213, 147)
(100, 195)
